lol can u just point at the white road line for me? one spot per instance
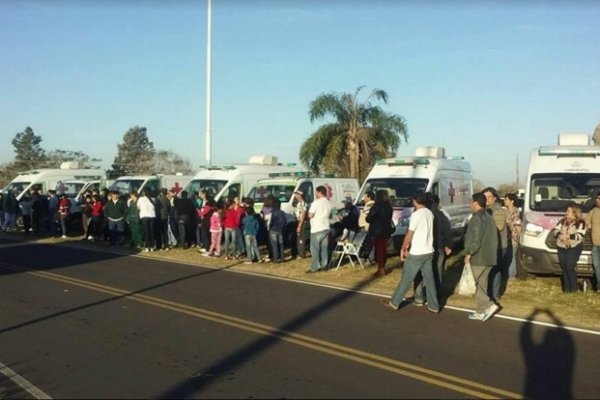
(22, 382)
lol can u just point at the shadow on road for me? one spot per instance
(549, 359)
(193, 387)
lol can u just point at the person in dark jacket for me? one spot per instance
(481, 251)
(184, 209)
(115, 211)
(163, 207)
(380, 228)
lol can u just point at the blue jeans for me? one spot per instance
(438, 274)
(252, 248)
(9, 220)
(276, 238)
(230, 238)
(596, 261)
(412, 266)
(567, 259)
(318, 250)
(240, 243)
(499, 274)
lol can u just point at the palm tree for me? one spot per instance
(360, 134)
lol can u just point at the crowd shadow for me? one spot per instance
(195, 386)
(549, 362)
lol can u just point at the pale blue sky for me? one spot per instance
(485, 79)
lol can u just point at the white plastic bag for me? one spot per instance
(467, 285)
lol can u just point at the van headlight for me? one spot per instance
(533, 229)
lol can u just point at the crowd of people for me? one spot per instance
(231, 228)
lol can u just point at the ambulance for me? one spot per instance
(283, 186)
(236, 180)
(45, 179)
(557, 176)
(127, 184)
(429, 170)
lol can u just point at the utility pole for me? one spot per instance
(208, 144)
(517, 172)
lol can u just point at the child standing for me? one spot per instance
(250, 226)
(216, 223)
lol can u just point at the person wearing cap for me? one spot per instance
(301, 222)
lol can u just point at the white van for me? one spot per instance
(428, 171)
(557, 176)
(127, 184)
(75, 189)
(283, 186)
(49, 178)
(237, 179)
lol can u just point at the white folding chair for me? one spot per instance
(352, 248)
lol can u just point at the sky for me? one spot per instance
(487, 80)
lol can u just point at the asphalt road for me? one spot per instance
(77, 323)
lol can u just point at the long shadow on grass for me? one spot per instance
(195, 386)
(550, 362)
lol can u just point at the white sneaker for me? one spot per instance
(64, 236)
(491, 310)
(476, 316)
(90, 238)
(146, 250)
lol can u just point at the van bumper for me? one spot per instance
(541, 261)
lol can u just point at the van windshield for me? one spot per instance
(71, 189)
(212, 186)
(18, 186)
(554, 192)
(400, 190)
(126, 186)
(281, 191)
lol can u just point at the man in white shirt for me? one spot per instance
(319, 213)
(417, 254)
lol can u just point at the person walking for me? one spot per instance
(319, 214)
(481, 251)
(380, 229)
(417, 254)
(593, 224)
(569, 233)
(147, 216)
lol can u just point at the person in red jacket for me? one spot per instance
(231, 223)
(64, 206)
(95, 228)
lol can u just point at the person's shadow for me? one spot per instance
(550, 362)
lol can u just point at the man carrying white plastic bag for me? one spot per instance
(481, 251)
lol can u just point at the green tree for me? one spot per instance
(29, 153)
(135, 155)
(359, 134)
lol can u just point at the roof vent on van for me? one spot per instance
(72, 165)
(573, 139)
(263, 160)
(431, 152)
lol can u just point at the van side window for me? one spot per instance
(232, 191)
(307, 189)
(435, 188)
(153, 187)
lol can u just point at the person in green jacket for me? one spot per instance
(132, 217)
(481, 251)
